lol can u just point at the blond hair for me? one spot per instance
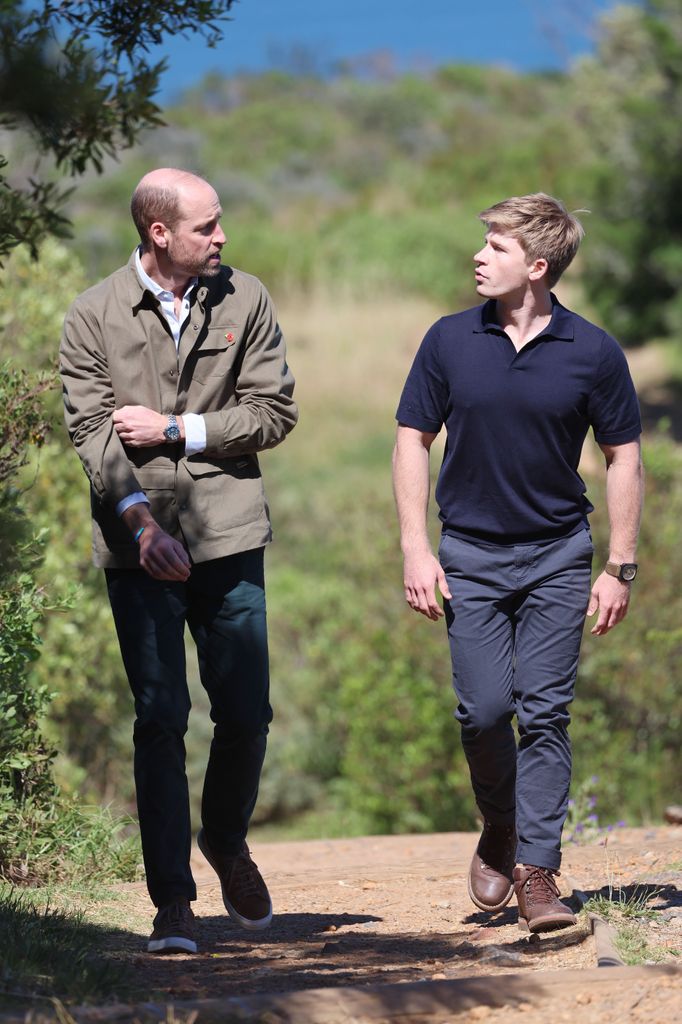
(542, 226)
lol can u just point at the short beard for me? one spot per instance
(191, 266)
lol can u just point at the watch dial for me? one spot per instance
(629, 572)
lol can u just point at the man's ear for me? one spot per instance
(538, 269)
(158, 233)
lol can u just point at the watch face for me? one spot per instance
(172, 433)
(628, 572)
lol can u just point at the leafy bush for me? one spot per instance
(42, 834)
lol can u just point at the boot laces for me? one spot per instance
(540, 885)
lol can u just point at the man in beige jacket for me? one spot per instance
(175, 377)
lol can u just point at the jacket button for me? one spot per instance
(195, 326)
(172, 373)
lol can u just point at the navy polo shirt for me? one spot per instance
(516, 421)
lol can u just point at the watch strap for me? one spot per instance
(624, 571)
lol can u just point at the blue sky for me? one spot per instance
(521, 34)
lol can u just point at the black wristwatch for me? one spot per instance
(624, 571)
(172, 431)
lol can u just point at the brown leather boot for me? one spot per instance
(540, 909)
(491, 882)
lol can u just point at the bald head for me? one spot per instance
(159, 198)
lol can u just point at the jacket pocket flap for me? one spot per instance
(241, 467)
(156, 477)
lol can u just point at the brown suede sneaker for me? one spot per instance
(173, 929)
(245, 894)
(540, 909)
(490, 881)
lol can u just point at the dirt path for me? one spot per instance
(379, 910)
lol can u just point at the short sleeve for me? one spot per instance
(424, 400)
(613, 406)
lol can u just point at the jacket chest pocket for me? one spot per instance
(217, 354)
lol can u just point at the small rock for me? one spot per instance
(479, 1012)
(583, 998)
(503, 957)
(439, 976)
(444, 905)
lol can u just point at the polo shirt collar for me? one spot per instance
(560, 326)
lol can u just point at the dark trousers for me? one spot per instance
(223, 603)
(515, 624)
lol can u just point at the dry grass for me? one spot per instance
(353, 355)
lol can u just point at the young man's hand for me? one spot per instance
(421, 574)
(611, 597)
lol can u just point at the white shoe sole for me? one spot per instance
(174, 944)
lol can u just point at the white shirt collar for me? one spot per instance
(154, 287)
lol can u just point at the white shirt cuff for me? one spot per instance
(195, 433)
(132, 499)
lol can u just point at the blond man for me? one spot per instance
(517, 383)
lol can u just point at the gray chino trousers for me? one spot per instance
(515, 623)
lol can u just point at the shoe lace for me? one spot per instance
(178, 912)
(245, 875)
(540, 885)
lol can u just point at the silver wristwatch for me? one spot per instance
(172, 431)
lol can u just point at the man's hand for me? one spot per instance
(161, 556)
(140, 427)
(422, 573)
(611, 597)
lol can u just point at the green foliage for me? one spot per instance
(22, 421)
(50, 838)
(630, 94)
(628, 709)
(79, 664)
(75, 78)
(43, 834)
(629, 913)
(24, 756)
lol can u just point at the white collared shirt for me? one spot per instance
(195, 426)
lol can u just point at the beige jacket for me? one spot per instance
(231, 368)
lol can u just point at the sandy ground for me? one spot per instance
(375, 911)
